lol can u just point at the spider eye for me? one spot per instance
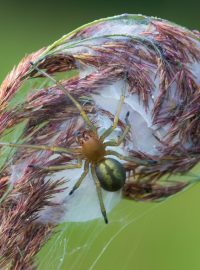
(77, 136)
(77, 133)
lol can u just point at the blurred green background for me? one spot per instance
(141, 236)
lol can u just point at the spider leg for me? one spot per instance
(133, 159)
(66, 92)
(83, 175)
(99, 193)
(56, 149)
(116, 118)
(58, 167)
(122, 137)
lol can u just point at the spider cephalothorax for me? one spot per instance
(108, 173)
(92, 148)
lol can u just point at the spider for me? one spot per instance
(107, 173)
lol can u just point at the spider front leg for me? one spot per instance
(55, 149)
(131, 159)
(59, 167)
(122, 137)
(116, 119)
(80, 180)
(67, 93)
(99, 193)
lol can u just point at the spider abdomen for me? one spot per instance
(111, 174)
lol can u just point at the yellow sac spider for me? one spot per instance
(107, 173)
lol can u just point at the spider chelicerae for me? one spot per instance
(107, 173)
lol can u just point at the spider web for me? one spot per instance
(139, 236)
(83, 245)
